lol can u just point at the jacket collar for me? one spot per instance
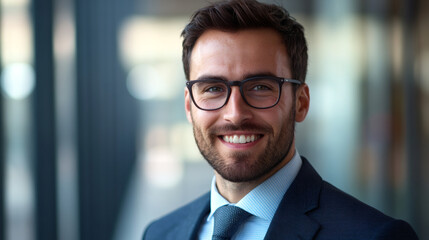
(291, 220)
(190, 219)
(190, 225)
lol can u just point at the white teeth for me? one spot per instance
(240, 139)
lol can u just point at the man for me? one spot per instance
(246, 63)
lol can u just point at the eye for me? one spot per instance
(209, 87)
(261, 88)
(214, 89)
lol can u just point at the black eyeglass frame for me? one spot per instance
(240, 84)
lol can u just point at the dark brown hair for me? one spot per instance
(234, 15)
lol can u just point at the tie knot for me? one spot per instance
(227, 219)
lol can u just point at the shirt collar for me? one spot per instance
(263, 200)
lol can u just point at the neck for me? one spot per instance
(235, 191)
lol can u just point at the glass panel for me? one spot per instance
(17, 84)
(65, 84)
(169, 168)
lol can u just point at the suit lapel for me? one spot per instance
(190, 225)
(291, 220)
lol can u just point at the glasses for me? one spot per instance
(260, 92)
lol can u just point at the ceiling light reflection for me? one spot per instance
(17, 80)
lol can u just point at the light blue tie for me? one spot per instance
(227, 219)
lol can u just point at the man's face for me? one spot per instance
(268, 133)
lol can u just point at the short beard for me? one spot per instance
(243, 169)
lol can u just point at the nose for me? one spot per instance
(236, 111)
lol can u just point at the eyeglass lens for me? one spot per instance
(259, 93)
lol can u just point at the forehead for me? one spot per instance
(235, 54)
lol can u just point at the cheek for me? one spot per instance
(203, 119)
(271, 118)
(278, 118)
(286, 105)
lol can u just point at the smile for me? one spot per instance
(240, 138)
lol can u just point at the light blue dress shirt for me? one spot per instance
(261, 202)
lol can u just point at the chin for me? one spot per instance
(241, 172)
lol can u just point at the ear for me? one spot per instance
(302, 103)
(188, 105)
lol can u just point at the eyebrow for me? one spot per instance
(245, 76)
(258, 74)
(208, 76)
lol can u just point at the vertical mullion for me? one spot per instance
(412, 106)
(44, 117)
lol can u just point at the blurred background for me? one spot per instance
(94, 140)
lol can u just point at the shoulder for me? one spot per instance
(343, 215)
(179, 222)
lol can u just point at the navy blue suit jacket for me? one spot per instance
(310, 209)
